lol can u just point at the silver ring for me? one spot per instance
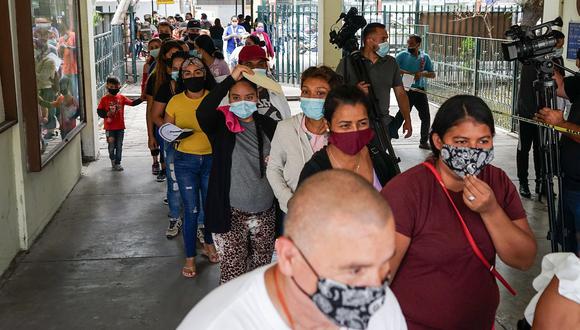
(471, 198)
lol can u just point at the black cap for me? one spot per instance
(194, 24)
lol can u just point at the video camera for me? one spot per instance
(345, 37)
(528, 44)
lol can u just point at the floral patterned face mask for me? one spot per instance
(347, 306)
(466, 160)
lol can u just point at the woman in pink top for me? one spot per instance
(265, 38)
(211, 56)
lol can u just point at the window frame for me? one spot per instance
(29, 90)
(7, 73)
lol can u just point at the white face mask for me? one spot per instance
(383, 49)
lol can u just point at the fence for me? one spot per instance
(109, 57)
(294, 33)
(463, 64)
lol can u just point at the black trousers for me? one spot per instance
(421, 103)
(528, 136)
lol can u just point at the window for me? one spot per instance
(51, 76)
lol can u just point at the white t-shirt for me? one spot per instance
(244, 303)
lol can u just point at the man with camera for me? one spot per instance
(383, 72)
(528, 133)
(568, 87)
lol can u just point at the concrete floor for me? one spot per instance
(104, 262)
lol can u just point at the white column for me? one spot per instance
(328, 13)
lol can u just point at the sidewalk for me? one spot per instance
(104, 261)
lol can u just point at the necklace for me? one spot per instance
(356, 165)
(282, 300)
(317, 130)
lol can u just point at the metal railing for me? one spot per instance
(466, 65)
(293, 30)
(109, 57)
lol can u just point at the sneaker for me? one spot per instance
(155, 169)
(174, 228)
(161, 176)
(165, 201)
(118, 168)
(525, 190)
(424, 146)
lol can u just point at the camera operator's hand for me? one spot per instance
(408, 128)
(364, 87)
(550, 116)
(418, 76)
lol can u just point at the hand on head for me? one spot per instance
(239, 70)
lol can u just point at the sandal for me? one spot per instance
(188, 272)
(211, 253)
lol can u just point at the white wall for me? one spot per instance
(569, 13)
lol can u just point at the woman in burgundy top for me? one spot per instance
(440, 282)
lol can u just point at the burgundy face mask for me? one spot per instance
(351, 143)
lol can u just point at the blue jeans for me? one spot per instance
(115, 142)
(571, 208)
(173, 198)
(192, 173)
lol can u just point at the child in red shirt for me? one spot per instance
(112, 109)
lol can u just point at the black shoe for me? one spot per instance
(525, 190)
(161, 176)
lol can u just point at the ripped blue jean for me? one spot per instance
(192, 174)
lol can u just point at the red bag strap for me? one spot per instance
(467, 233)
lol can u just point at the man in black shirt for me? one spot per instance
(528, 133)
(569, 153)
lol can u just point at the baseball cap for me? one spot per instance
(194, 24)
(251, 53)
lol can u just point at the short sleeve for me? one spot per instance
(399, 58)
(403, 204)
(227, 31)
(163, 94)
(170, 109)
(512, 203)
(397, 80)
(127, 101)
(428, 64)
(103, 104)
(150, 85)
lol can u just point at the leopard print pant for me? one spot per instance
(248, 245)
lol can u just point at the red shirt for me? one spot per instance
(117, 105)
(440, 282)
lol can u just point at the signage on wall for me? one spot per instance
(165, 2)
(573, 40)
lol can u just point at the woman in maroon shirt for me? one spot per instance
(440, 282)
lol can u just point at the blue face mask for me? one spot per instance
(383, 49)
(312, 108)
(154, 53)
(175, 75)
(262, 72)
(243, 109)
(194, 53)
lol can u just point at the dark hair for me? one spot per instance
(210, 81)
(240, 17)
(416, 37)
(165, 23)
(343, 94)
(180, 54)
(217, 22)
(206, 43)
(154, 40)
(246, 81)
(113, 80)
(558, 34)
(203, 16)
(322, 72)
(161, 66)
(257, 40)
(456, 110)
(370, 28)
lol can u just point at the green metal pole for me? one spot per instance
(476, 58)
(132, 36)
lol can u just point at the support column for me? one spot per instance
(328, 13)
(89, 135)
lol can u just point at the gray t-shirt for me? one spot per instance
(249, 192)
(384, 75)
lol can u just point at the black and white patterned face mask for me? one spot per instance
(466, 160)
(347, 306)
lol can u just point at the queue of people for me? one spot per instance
(244, 167)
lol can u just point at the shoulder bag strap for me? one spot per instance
(467, 233)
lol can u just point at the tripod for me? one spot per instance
(379, 125)
(545, 89)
